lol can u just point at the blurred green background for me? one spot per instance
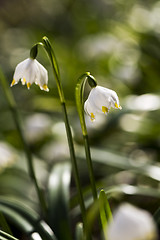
(119, 43)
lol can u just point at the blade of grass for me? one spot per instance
(4, 225)
(79, 231)
(4, 235)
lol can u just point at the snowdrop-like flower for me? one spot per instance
(131, 223)
(31, 71)
(101, 100)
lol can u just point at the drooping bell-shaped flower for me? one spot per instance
(31, 71)
(131, 223)
(101, 100)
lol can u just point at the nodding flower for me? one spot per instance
(31, 71)
(101, 100)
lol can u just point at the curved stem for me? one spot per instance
(80, 107)
(15, 114)
(56, 74)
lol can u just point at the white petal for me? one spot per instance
(131, 223)
(19, 70)
(90, 110)
(42, 78)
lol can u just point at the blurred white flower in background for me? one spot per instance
(31, 71)
(131, 223)
(8, 155)
(37, 127)
(101, 100)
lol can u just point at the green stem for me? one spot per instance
(80, 108)
(90, 166)
(74, 163)
(56, 74)
(13, 108)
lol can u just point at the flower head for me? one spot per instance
(31, 71)
(131, 223)
(101, 100)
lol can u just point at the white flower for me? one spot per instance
(131, 223)
(101, 100)
(31, 71)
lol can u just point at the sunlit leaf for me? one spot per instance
(58, 197)
(132, 190)
(16, 219)
(79, 231)
(4, 235)
(121, 162)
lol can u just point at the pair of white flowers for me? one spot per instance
(100, 99)
(131, 223)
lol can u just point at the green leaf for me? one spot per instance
(79, 231)
(4, 225)
(132, 190)
(27, 215)
(58, 198)
(92, 216)
(105, 211)
(116, 160)
(16, 219)
(4, 235)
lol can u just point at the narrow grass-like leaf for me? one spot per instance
(105, 211)
(4, 235)
(132, 190)
(125, 189)
(120, 162)
(58, 198)
(92, 216)
(29, 215)
(4, 225)
(16, 219)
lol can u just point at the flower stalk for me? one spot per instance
(56, 74)
(16, 117)
(79, 92)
